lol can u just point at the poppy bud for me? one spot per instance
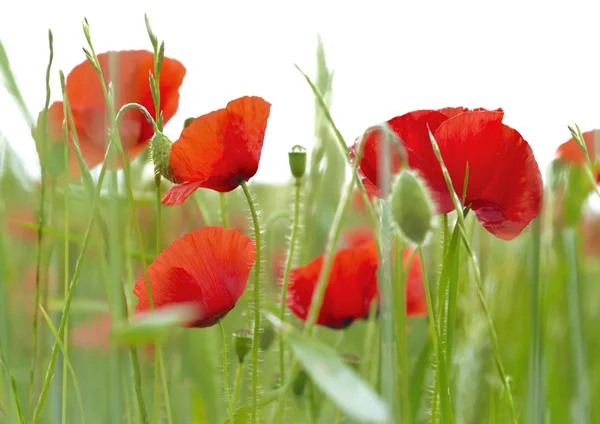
(266, 337)
(242, 342)
(187, 122)
(299, 382)
(160, 150)
(352, 360)
(297, 159)
(412, 208)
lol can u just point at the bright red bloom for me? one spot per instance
(208, 267)
(351, 288)
(219, 150)
(504, 186)
(571, 153)
(90, 113)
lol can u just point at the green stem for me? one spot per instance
(13, 384)
(223, 207)
(72, 286)
(257, 302)
(226, 373)
(577, 343)
(400, 325)
(284, 289)
(238, 382)
(66, 266)
(536, 388)
(41, 223)
(434, 338)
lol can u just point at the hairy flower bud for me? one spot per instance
(412, 208)
(160, 151)
(242, 342)
(297, 160)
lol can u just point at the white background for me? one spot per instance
(536, 60)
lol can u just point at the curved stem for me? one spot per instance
(257, 301)
(284, 289)
(223, 207)
(226, 373)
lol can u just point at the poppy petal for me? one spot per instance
(208, 267)
(351, 287)
(570, 151)
(504, 185)
(179, 193)
(222, 148)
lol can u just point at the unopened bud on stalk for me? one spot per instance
(266, 337)
(297, 160)
(412, 208)
(242, 342)
(352, 360)
(160, 151)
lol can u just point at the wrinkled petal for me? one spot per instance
(208, 267)
(504, 185)
(222, 148)
(177, 194)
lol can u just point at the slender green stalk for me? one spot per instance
(445, 404)
(226, 373)
(577, 342)
(271, 221)
(41, 222)
(71, 292)
(257, 302)
(223, 208)
(66, 264)
(238, 383)
(13, 384)
(201, 209)
(284, 289)
(399, 291)
(536, 388)
(479, 284)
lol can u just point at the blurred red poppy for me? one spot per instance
(504, 186)
(219, 150)
(87, 102)
(571, 153)
(355, 236)
(208, 267)
(92, 334)
(351, 288)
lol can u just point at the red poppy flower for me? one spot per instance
(356, 236)
(208, 267)
(219, 150)
(351, 288)
(86, 99)
(571, 153)
(504, 186)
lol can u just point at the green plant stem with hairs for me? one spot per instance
(284, 289)
(257, 302)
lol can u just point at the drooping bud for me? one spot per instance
(352, 360)
(160, 151)
(412, 208)
(242, 342)
(187, 122)
(297, 160)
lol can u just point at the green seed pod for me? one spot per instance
(160, 150)
(242, 342)
(266, 337)
(412, 208)
(297, 160)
